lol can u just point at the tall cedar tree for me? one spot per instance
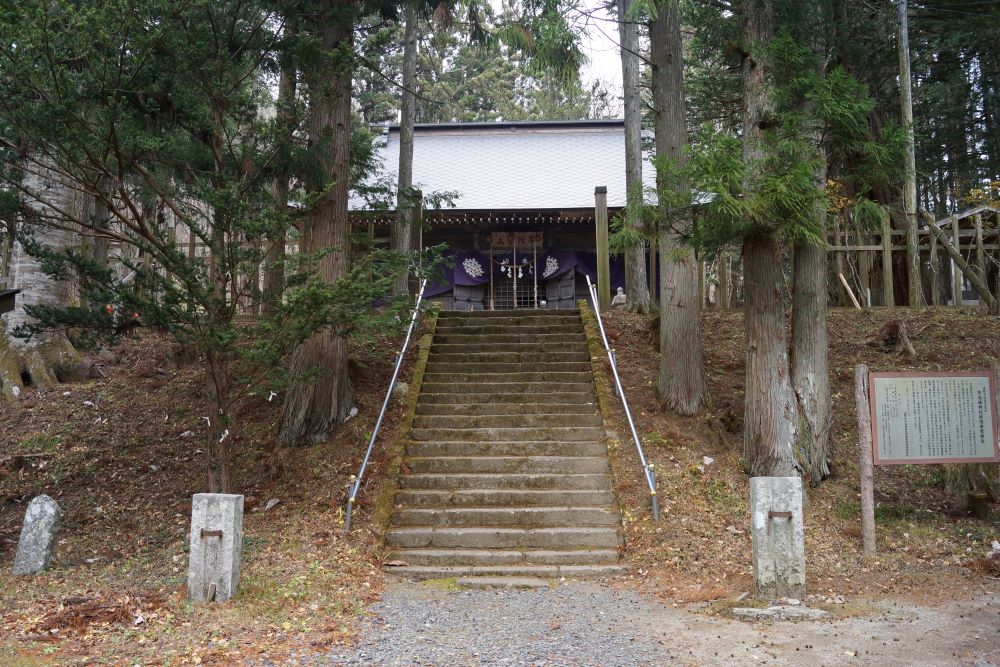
(636, 283)
(163, 126)
(315, 407)
(681, 382)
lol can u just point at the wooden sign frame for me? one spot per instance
(864, 394)
(987, 375)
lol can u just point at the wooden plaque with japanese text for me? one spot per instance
(933, 417)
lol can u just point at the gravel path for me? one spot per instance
(584, 624)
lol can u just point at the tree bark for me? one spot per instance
(315, 406)
(810, 348)
(47, 358)
(636, 284)
(722, 300)
(405, 204)
(274, 273)
(914, 284)
(771, 421)
(681, 382)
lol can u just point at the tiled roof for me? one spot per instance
(534, 165)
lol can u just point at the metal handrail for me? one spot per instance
(648, 468)
(355, 482)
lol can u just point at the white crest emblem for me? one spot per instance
(472, 267)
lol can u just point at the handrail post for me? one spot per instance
(647, 468)
(352, 494)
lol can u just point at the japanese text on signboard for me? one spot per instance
(933, 418)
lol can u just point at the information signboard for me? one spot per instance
(933, 418)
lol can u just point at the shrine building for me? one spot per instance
(515, 204)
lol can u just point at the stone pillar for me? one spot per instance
(779, 561)
(216, 546)
(38, 536)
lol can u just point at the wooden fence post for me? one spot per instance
(888, 298)
(838, 260)
(980, 250)
(722, 301)
(603, 257)
(654, 275)
(956, 275)
(701, 284)
(935, 272)
(866, 464)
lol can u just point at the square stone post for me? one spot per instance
(216, 546)
(779, 560)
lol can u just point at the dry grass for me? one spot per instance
(124, 477)
(702, 541)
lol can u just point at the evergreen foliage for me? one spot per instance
(170, 105)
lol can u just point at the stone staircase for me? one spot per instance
(506, 472)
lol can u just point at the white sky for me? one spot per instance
(601, 46)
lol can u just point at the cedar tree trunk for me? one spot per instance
(810, 348)
(681, 382)
(408, 113)
(315, 406)
(770, 424)
(636, 285)
(48, 358)
(274, 273)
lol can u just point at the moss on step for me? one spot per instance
(384, 504)
(446, 584)
(602, 384)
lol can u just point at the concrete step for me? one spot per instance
(501, 421)
(529, 347)
(584, 396)
(504, 339)
(500, 357)
(523, 448)
(514, 313)
(510, 576)
(533, 388)
(504, 498)
(476, 409)
(524, 517)
(562, 377)
(511, 481)
(500, 557)
(525, 465)
(456, 319)
(584, 537)
(492, 583)
(435, 367)
(511, 434)
(483, 329)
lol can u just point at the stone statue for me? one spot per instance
(619, 300)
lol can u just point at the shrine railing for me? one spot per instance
(352, 490)
(648, 469)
